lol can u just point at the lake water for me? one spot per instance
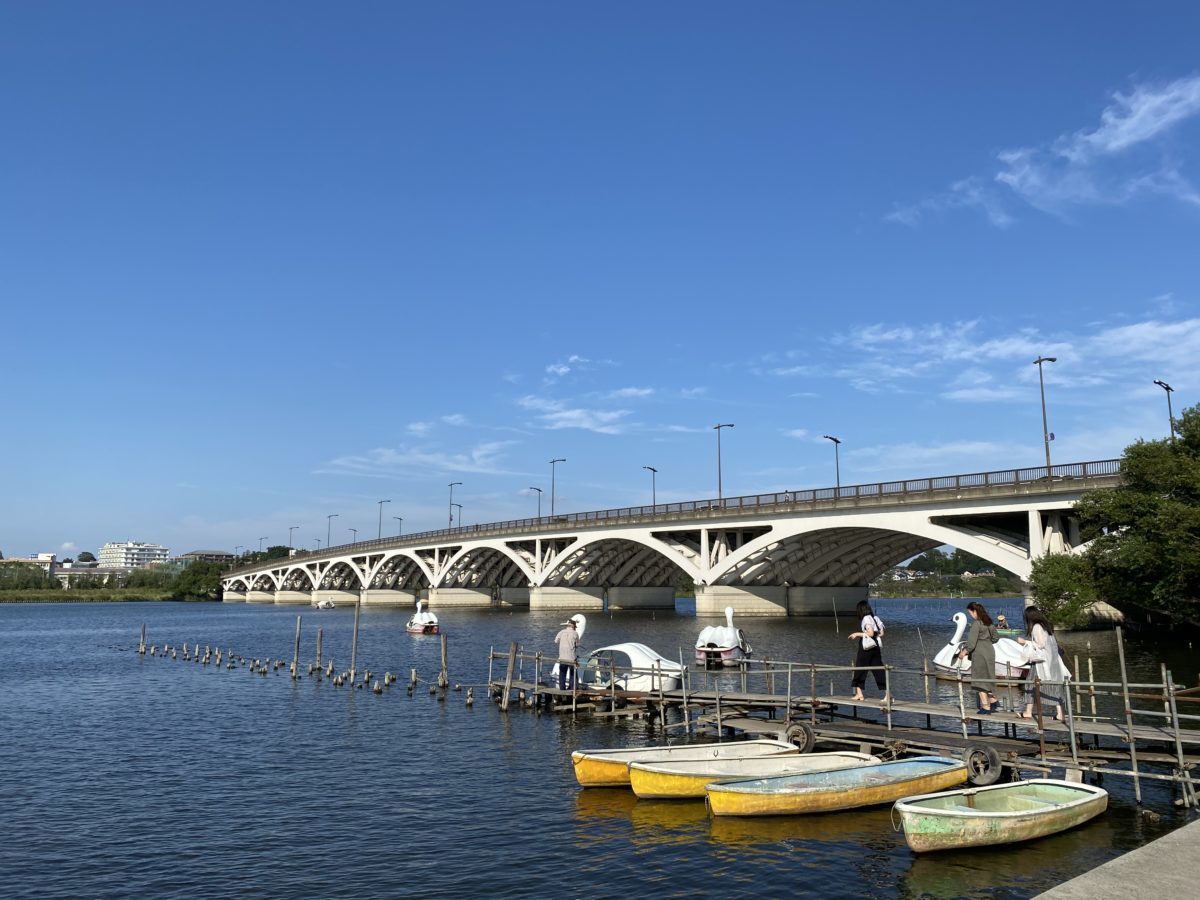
(126, 775)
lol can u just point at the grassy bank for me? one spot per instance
(77, 596)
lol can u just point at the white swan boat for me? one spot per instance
(722, 645)
(422, 622)
(630, 667)
(1010, 659)
(324, 604)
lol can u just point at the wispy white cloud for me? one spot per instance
(484, 458)
(693, 393)
(685, 429)
(796, 432)
(67, 547)
(456, 419)
(420, 429)
(624, 392)
(932, 458)
(1125, 157)
(555, 414)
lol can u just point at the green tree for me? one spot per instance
(200, 581)
(277, 552)
(1146, 546)
(86, 556)
(1062, 586)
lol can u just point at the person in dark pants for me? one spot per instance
(568, 645)
(870, 651)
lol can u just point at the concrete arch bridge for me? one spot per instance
(789, 553)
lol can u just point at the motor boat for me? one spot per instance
(422, 622)
(630, 667)
(1010, 658)
(722, 645)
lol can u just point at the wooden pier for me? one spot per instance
(1150, 741)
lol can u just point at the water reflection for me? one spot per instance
(852, 827)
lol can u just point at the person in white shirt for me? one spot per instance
(1040, 650)
(870, 651)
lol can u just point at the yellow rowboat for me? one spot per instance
(610, 768)
(999, 814)
(870, 785)
(686, 779)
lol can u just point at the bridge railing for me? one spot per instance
(1069, 476)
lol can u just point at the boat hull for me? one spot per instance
(871, 786)
(687, 781)
(712, 657)
(1001, 814)
(610, 768)
(421, 629)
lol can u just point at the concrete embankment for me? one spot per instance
(1166, 867)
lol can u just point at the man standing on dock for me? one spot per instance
(568, 644)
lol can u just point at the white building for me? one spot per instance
(132, 554)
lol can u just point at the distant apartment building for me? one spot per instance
(132, 555)
(47, 562)
(217, 556)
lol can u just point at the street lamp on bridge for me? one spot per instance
(451, 506)
(552, 464)
(291, 528)
(717, 429)
(317, 541)
(400, 527)
(260, 540)
(653, 486)
(1046, 435)
(329, 521)
(458, 506)
(1170, 414)
(837, 463)
(381, 502)
(237, 548)
(539, 493)
(354, 532)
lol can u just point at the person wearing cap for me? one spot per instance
(568, 644)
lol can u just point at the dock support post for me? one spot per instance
(720, 727)
(1189, 795)
(508, 676)
(354, 639)
(296, 651)
(887, 692)
(444, 675)
(320, 634)
(962, 710)
(538, 695)
(1137, 784)
(685, 677)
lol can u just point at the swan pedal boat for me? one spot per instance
(999, 814)
(687, 779)
(422, 622)
(1010, 656)
(815, 792)
(722, 645)
(610, 768)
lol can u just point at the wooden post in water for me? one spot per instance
(296, 651)
(142, 641)
(685, 675)
(508, 676)
(1137, 784)
(1189, 793)
(962, 710)
(1092, 685)
(444, 675)
(354, 639)
(720, 727)
(320, 633)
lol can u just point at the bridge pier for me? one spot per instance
(767, 600)
(383, 598)
(260, 596)
(621, 597)
(339, 598)
(514, 596)
(822, 601)
(228, 596)
(590, 598)
(464, 598)
(293, 598)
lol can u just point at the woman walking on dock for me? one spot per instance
(978, 648)
(1041, 651)
(870, 651)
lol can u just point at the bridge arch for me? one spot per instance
(486, 564)
(400, 570)
(626, 560)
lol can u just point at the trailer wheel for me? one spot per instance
(801, 735)
(983, 764)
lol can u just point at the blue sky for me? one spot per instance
(266, 262)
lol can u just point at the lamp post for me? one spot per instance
(539, 493)
(458, 506)
(552, 463)
(653, 485)
(1045, 423)
(237, 548)
(400, 527)
(717, 429)
(837, 463)
(291, 528)
(451, 506)
(354, 533)
(381, 502)
(328, 521)
(260, 540)
(1170, 414)
(317, 541)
